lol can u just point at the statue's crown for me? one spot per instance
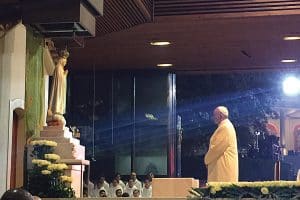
(64, 53)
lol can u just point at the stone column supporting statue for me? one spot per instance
(57, 101)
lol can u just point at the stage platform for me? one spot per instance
(173, 187)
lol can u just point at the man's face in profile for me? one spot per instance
(216, 116)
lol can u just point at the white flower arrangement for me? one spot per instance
(52, 156)
(57, 167)
(40, 162)
(66, 179)
(43, 142)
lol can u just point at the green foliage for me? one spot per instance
(257, 190)
(40, 150)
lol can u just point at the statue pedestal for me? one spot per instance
(71, 153)
(67, 146)
(76, 169)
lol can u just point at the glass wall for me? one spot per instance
(151, 119)
(123, 125)
(254, 100)
(125, 120)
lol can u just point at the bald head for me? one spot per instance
(220, 113)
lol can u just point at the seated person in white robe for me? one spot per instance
(101, 184)
(91, 187)
(150, 176)
(298, 175)
(136, 193)
(130, 187)
(113, 188)
(102, 192)
(136, 182)
(119, 193)
(120, 182)
(147, 189)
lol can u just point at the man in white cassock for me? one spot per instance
(222, 156)
(136, 182)
(130, 187)
(113, 188)
(147, 189)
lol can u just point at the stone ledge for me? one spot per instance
(75, 162)
(62, 140)
(53, 128)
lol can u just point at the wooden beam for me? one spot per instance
(95, 6)
(146, 12)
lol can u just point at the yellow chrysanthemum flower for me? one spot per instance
(57, 167)
(46, 172)
(264, 190)
(212, 190)
(52, 156)
(66, 179)
(40, 162)
(218, 188)
(44, 142)
(50, 143)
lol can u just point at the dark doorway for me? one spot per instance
(14, 151)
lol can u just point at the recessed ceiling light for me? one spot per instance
(288, 61)
(164, 65)
(160, 43)
(292, 38)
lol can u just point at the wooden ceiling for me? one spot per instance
(120, 15)
(191, 7)
(205, 35)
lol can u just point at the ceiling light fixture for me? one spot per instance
(288, 61)
(160, 43)
(288, 38)
(164, 65)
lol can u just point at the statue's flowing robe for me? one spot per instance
(222, 156)
(57, 101)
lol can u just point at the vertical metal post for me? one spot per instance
(282, 128)
(172, 150)
(282, 145)
(112, 108)
(133, 153)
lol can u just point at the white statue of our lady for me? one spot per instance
(57, 101)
